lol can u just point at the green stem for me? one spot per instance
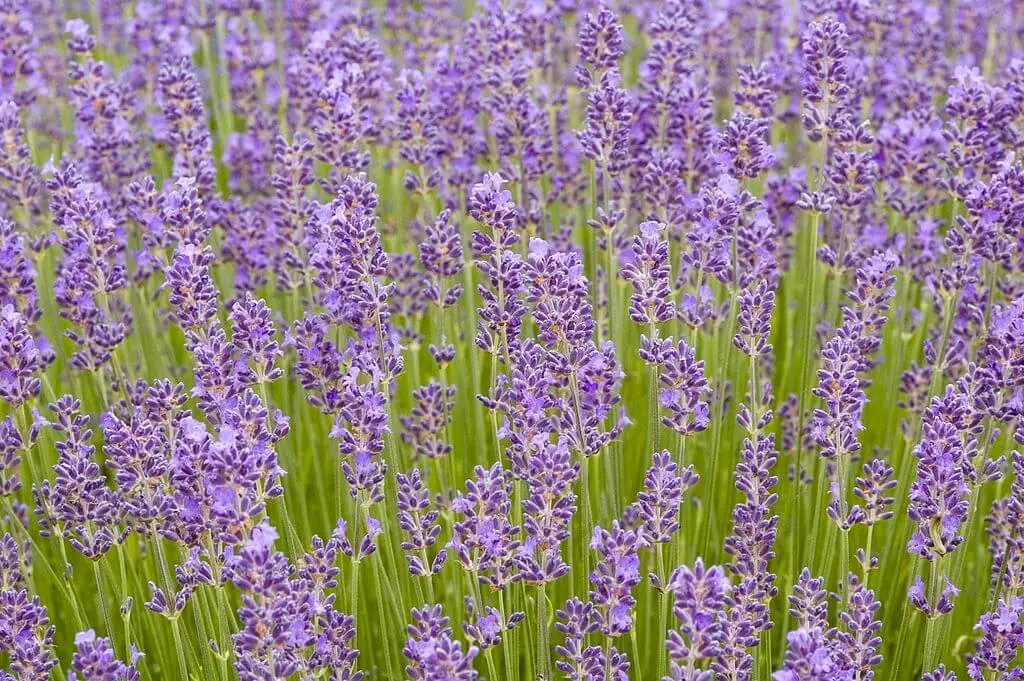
(543, 645)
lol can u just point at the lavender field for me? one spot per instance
(516, 340)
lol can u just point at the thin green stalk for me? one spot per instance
(101, 596)
(663, 608)
(179, 648)
(719, 421)
(931, 641)
(866, 564)
(543, 643)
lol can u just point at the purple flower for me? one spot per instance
(756, 305)
(21, 360)
(418, 520)
(838, 425)
(78, 505)
(318, 362)
(192, 294)
(826, 84)
(80, 38)
(425, 427)
(658, 502)
(441, 255)
(432, 653)
(350, 263)
(252, 335)
(360, 428)
(600, 44)
(578, 662)
(11, 447)
(20, 179)
(940, 673)
(484, 539)
(757, 90)
(807, 604)
(742, 148)
(699, 602)
(938, 495)
(752, 543)
(943, 603)
(95, 660)
(91, 274)
(527, 399)
(287, 626)
(547, 512)
(606, 125)
(557, 294)
(417, 128)
(1001, 635)
(811, 656)
(137, 448)
(26, 634)
(860, 637)
(501, 315)
(649, 273)
(874, 487)
(616, 573)
(187, 131)
(292, 209)
(683, 387)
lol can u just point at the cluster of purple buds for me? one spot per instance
(605, 138)
(20, 179)
(78, 506)
(616, 573)
(95, 660)
(11, 446)
(547, 512)
(558, 298)
(441, 255)
(432, 653)
(351, 264)
(21, 358)
(288, 625)
(502, 312)
(253, 333)
(136, 446)
(752, 543)
(292, 210)
(657, 503)
(192, 294)
(187, 133)
(1005, 542)
(418, 519)
(92, 272)
(106, 116)
(360, 428)
(485, 627)
(943, 603)
(817, 651)
(699, 596)
(425, 427)
(939, 493)
(484, 541)
(26, 635)
(649, 272)
(683, 387)
(826, 85)
(526, 397)
(580, 662)
(1002, 634)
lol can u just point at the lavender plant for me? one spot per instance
(445, 341)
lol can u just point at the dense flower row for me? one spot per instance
(436, 341)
